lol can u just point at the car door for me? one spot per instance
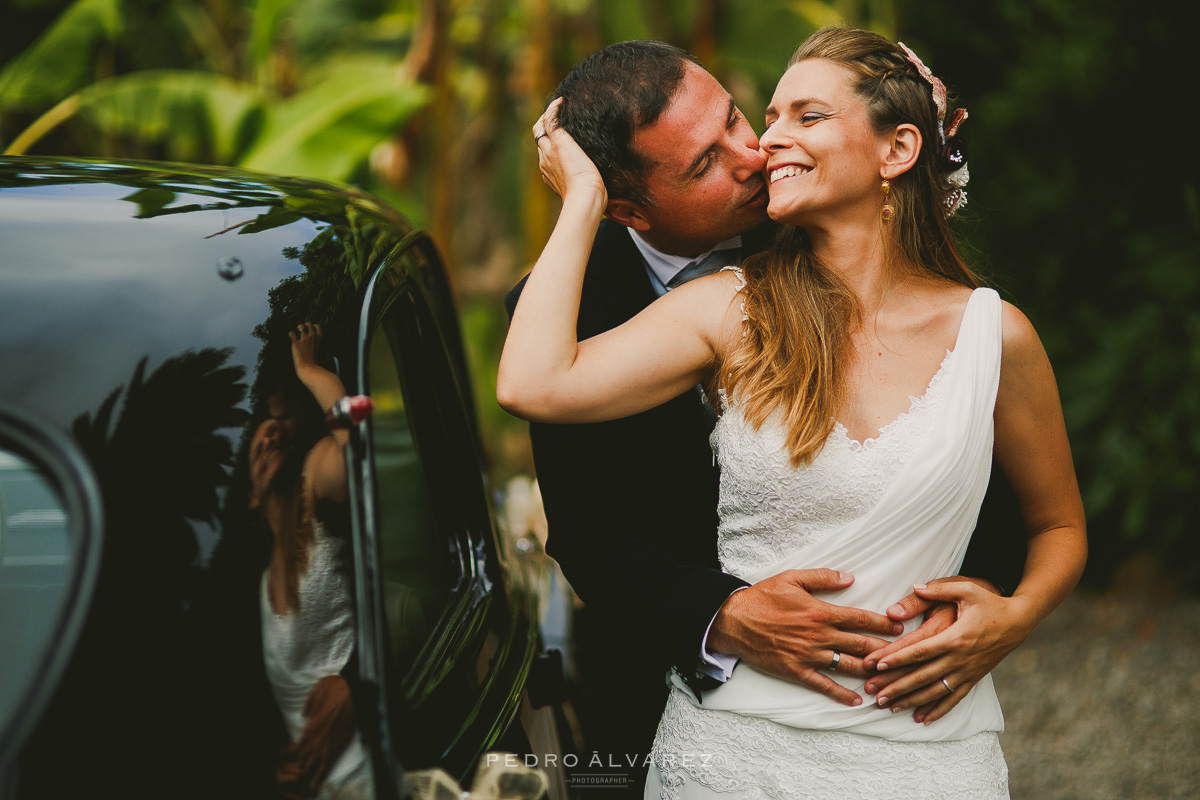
(450, 647)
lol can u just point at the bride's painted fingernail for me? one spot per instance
(882, 665)
(920, 586)
(883, 701)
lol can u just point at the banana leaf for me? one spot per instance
(328, 130)
(199, 115)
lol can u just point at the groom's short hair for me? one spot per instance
(612, 93)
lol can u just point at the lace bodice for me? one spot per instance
(769, 509)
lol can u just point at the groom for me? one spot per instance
(632, 503)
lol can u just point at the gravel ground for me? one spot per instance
(1103, 700)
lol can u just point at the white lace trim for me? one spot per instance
(756, 758)
(741, 276)
(916, 405)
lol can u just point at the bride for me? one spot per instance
(863, 381)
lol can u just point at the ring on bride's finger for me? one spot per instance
(837, 659)
(946, 683)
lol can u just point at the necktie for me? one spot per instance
(713, 262)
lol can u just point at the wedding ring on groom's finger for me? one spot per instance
(833, 665)
(946, 683)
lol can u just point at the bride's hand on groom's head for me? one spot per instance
(565, 167)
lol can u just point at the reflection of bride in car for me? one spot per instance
(297, 476)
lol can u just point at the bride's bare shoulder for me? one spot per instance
(715, 303)
(946, 296)
(1022, 345)
(932, 306)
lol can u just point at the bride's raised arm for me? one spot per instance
(546, 374)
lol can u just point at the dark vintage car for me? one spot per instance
(145, 312)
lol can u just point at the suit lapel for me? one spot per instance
(615, 286)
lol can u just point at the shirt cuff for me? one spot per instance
(716, 665)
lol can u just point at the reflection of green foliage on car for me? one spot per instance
(155, 442)
(320, 295)
(355, 232)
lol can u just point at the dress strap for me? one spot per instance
(741, 276)
(979, 345)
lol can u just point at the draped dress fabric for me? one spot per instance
(894, 510)
(303, 646)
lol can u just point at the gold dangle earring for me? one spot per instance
(888, 209)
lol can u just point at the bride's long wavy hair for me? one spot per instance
(800, 314)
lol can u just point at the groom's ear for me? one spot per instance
(627, 213)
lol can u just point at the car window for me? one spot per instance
(33, 522)
(416, 566)
(35, 568)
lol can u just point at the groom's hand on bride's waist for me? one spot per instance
(778, 627)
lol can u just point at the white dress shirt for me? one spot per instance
(662, 267)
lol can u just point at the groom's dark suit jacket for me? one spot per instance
(632, 511)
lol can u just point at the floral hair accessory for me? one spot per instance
(953, 150)
(939, 88)
(960, 116)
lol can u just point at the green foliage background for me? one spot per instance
(1084, 202)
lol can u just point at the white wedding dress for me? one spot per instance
(893, 511)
